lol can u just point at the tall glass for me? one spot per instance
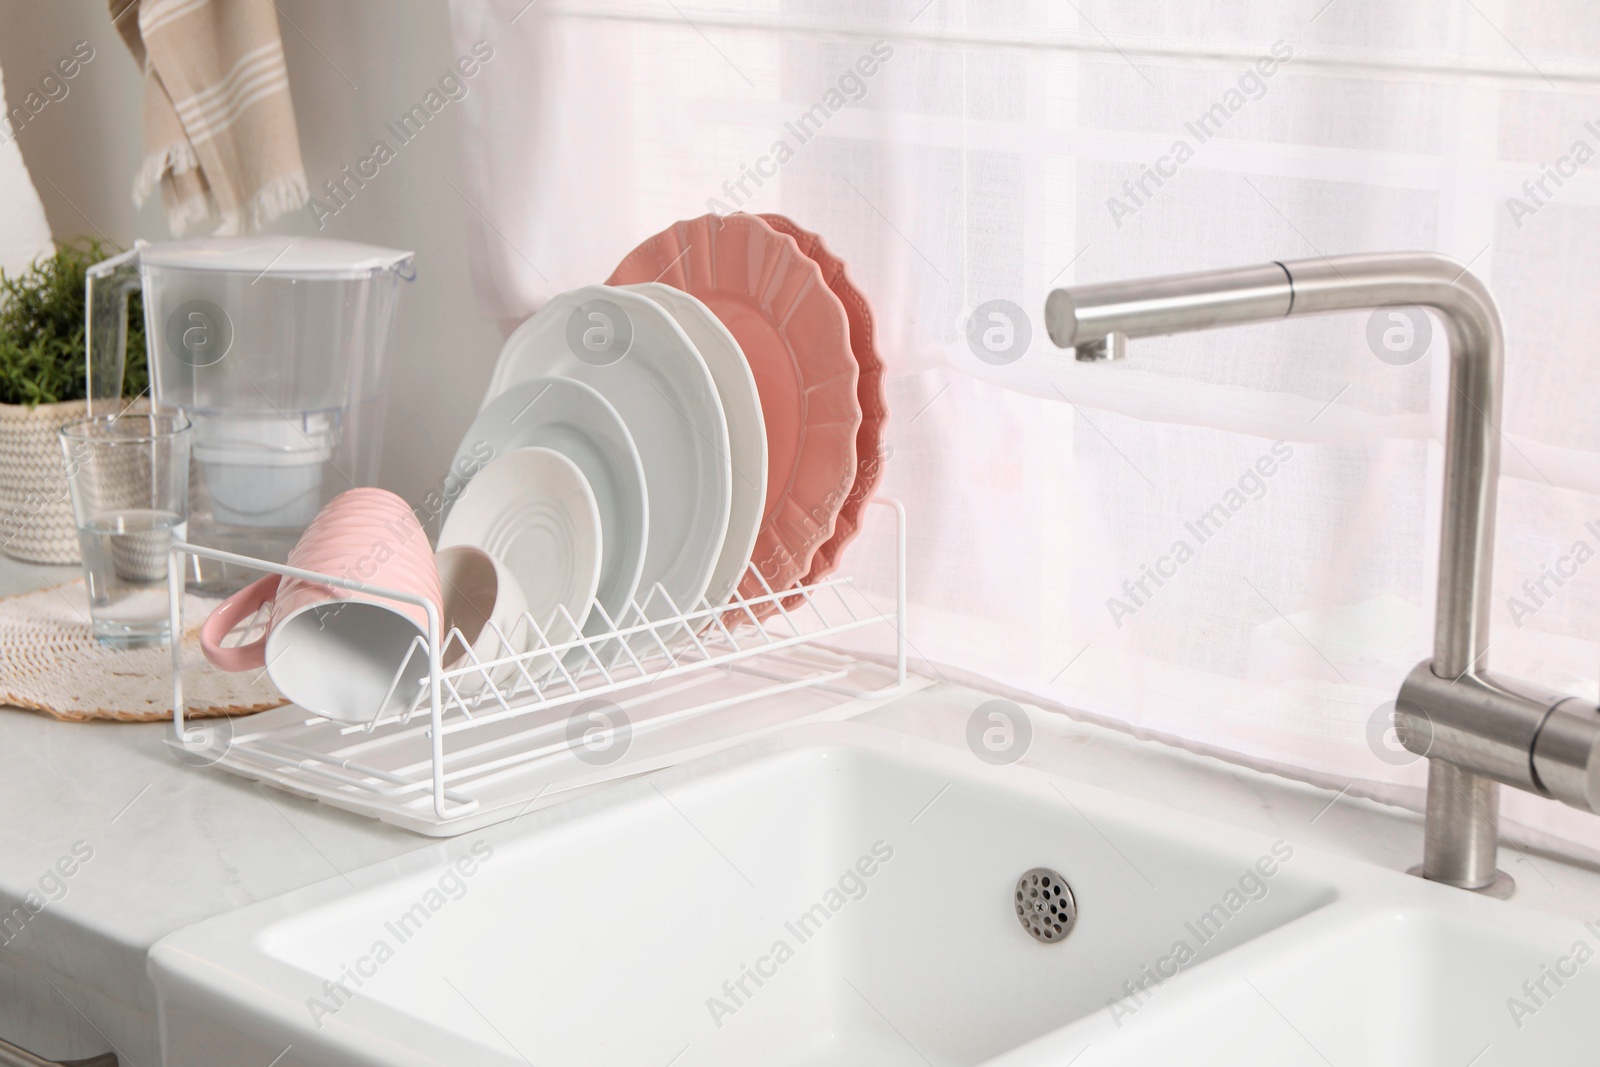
(129, 476)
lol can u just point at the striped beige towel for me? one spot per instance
(219, 127)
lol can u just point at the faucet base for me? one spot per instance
(1501, 888)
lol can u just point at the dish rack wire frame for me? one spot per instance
(441, 693)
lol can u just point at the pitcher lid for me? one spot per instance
(276, 255)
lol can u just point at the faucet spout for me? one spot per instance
(1097, 321)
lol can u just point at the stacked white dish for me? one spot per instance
(722, 398)
(616, 495)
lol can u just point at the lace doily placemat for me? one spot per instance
(50, 662)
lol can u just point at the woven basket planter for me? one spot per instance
(35, 508)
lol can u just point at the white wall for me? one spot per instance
(353, 66)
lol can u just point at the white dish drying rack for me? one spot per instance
(483, 740)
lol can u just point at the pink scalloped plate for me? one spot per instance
(869, 394)
(794, 332)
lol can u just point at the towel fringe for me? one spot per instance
(286, 193)
(178, 157)
(283, 194)
(182, 215)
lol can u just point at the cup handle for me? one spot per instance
(107, 288)
(228, 614)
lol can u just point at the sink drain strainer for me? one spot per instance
(1045, 906)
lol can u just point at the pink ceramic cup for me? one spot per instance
(337, 652)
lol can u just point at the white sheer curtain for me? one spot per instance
(1001, 149)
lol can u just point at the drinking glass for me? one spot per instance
(129, 476)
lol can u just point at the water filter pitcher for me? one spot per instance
(276, 348)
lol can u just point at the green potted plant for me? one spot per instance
(43, 379)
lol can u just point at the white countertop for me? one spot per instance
(174, 844)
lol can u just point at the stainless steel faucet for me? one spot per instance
(1477, 730)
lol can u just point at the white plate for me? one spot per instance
(747, 429)
(532, 509)
(578, 422)
(636, 356)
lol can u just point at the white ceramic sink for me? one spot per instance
(1402, 986)
(843, 895)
